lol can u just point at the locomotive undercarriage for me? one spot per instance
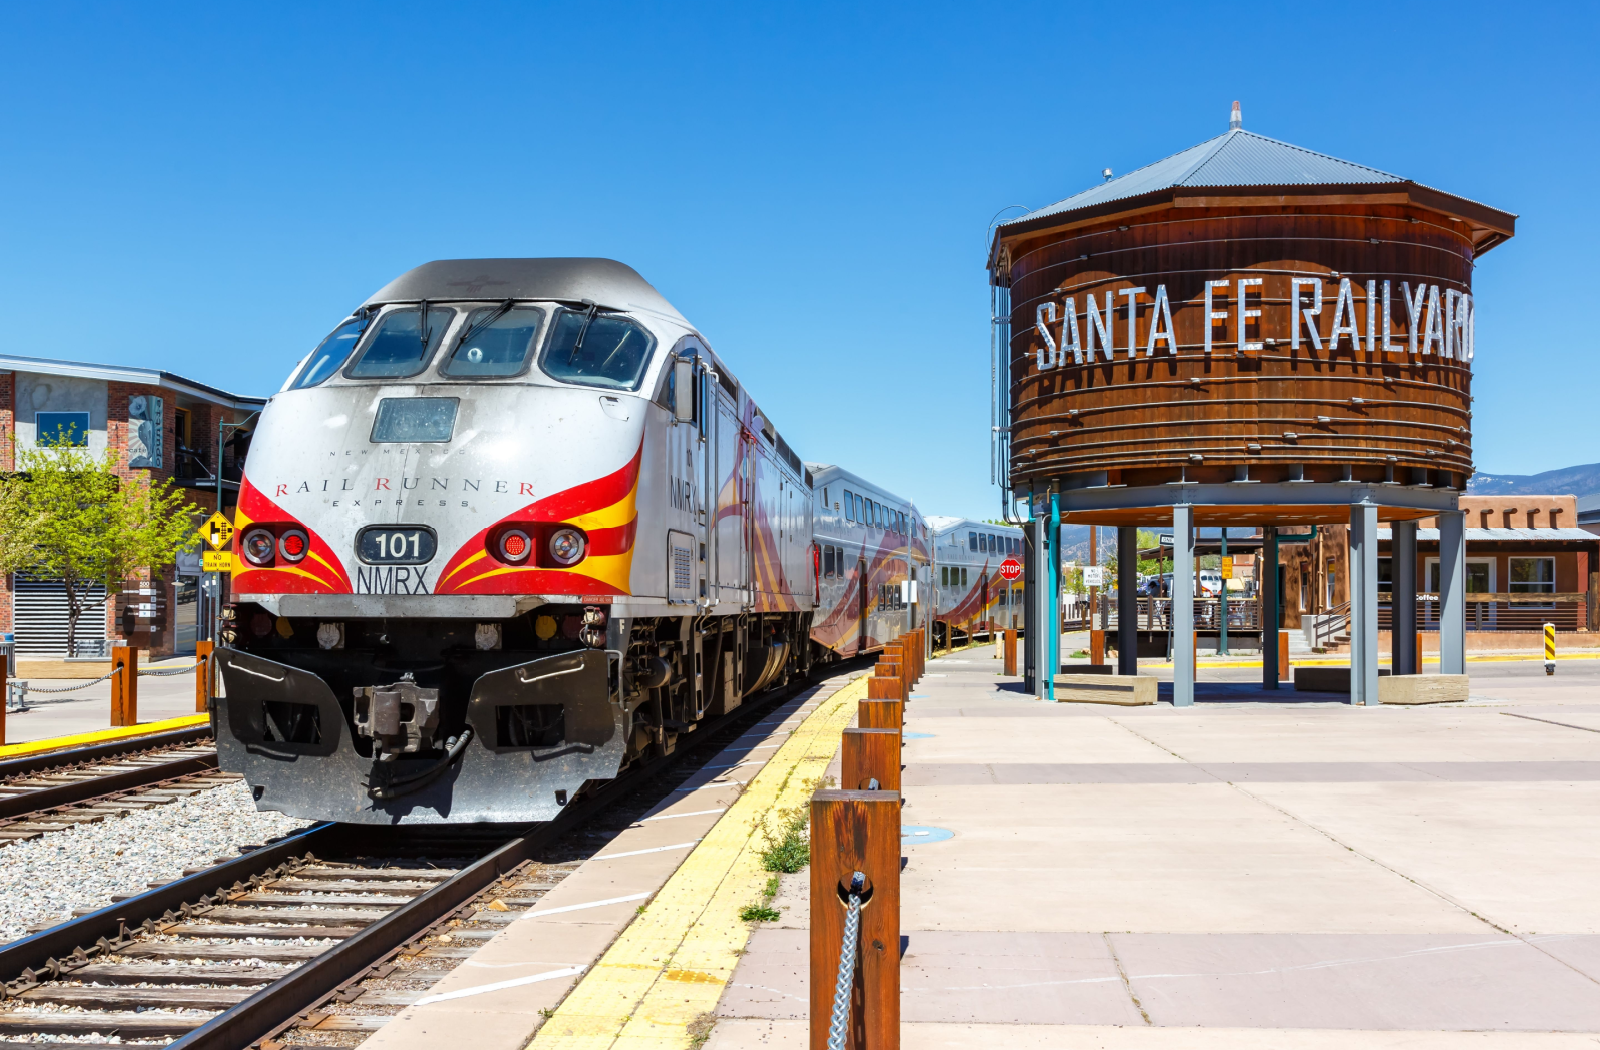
(411, 720)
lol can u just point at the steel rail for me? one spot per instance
(95, 752)
(36, 800)
(100, 929)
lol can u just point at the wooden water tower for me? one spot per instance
(1247, 333)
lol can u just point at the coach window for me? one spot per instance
(597, 349)
(849, 507)
(972, 541)
(495, 342)
(402, 343)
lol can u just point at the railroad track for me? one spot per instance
(319, 938)
(52, 792)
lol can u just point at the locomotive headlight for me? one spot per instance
(566, 546)
(293, 544)
(258, 546)
(515, 545)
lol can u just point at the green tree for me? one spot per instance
(65, 514)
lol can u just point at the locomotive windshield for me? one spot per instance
(330, 355)
(403, 342)
(496, 342)
(597, 350)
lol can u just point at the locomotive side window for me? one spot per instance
(495, 342)
(331, 354)
(415, 419)
(849, 506)
(403, 343)
(597, 349)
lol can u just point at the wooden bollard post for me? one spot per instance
(1097, 645)
(124, 685)
(856, 831)
(885, 689)
(870, 754)
(1010, 667)
(894, 656)
(1283, 656)
(202, 675)
(880, 714)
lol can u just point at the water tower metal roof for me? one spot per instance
(1239, 158)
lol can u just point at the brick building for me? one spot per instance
(1516, 547)
(161, 426)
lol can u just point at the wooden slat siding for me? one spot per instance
(1141, 420)
(855, 831)
(870, 754)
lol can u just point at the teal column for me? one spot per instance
(1054, 623)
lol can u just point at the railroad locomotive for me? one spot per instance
(509, 529)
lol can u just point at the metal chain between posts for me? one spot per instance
(165, 671)
(70, 688)
(839, 1024)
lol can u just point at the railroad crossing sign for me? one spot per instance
(217, 531)
(1011, 568)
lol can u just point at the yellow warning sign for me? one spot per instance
(217, 531)
(1227, 568)
(217, 561)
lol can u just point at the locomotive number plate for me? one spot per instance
(396, 545)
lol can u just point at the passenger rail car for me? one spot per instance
(974, 598)
(511, 527)
(870, 562)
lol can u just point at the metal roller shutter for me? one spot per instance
(40, 618)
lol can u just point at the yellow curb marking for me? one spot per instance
(100, 736)
(672, 962)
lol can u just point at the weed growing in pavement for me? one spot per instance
(700, 1030)
(788, 849)
(759, 913)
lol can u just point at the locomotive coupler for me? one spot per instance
(400, 718)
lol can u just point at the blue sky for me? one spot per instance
(208, 188)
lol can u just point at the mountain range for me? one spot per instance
(1566, 481)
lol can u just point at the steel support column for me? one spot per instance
(1267, 589)
(1182, 606)
(1364, 605)
(1127, 600)
(1452, 593)
(1403, 655)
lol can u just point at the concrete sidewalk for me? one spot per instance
(1234, 875)
(88, 709)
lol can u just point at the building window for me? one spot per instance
(1305, 589)
(56, 428)
(1385, 575)
(1532, 575)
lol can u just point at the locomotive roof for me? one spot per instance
(603, 281)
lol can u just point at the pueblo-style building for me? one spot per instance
(1245, 334)
(161, 425)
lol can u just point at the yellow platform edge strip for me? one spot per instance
(100, 736)
(673, 961)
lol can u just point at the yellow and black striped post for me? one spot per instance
(1549, 648)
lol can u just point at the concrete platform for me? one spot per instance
(88, 709)
(1262, 870)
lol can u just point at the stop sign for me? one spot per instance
(1011, 568)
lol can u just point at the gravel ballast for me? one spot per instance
(44, 879)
